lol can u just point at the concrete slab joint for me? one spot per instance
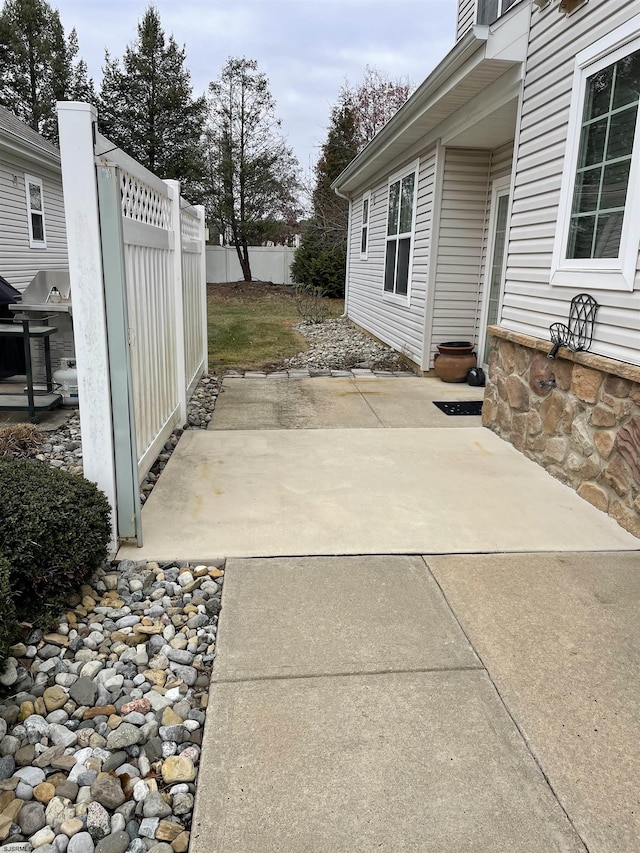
(369, 724)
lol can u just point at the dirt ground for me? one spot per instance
(247, 289)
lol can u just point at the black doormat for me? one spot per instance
(465, 407)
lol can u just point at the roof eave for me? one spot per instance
(26, 149)
(468, 45)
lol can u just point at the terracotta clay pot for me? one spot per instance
(454, 360)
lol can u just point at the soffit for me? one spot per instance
(481, 57)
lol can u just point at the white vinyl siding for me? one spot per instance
(399, 325)
(461, 246)
(531, 304)
(18, 261)
(466, 17)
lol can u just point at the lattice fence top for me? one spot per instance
(189, 226)
(143, 203)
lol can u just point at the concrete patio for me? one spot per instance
(426, 642)
(376, 469)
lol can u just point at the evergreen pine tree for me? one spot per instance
(320, 261)
(148, 109)
(38, 66)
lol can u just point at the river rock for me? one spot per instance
(81, 843)
(107, 791)
(154, 806)
(30, 775)
(125, 735)
(177, 768)
(116, 842)
(55, 698)
(7, 766)
(98, 821)
(83, 692)
(42, 836)
(31, 818)
(59, 810)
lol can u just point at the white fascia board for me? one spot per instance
(18, 146)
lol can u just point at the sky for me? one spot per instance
(307, 48)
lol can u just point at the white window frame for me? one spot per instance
(33, 243)
(500, 10)
(392, 296)
(598, 273)
(364, 228)
(500, 188)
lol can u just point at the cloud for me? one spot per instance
(307, 48)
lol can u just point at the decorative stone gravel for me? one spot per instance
(339, 345)
(101, 732)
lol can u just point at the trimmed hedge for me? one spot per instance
(54, 531)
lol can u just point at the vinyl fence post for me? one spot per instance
(76, 122)
(180, 360)
(203, 285)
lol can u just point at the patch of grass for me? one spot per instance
(250, 325)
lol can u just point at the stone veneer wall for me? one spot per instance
(585, 431)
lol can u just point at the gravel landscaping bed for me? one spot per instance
(339, 345)
(101, 725)
(100, 736)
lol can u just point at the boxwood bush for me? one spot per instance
(54, 531)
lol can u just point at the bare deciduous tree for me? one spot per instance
(252, 173)
(375, 100)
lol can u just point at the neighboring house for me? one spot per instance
(32, 229)
(32, 224)
(499, 191)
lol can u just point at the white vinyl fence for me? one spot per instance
(138, 282)
(268, 263)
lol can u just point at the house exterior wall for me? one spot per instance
(460, 245)
(466, 17)
(18, 262)
(579, 415)
(531, 303)
(399, 325)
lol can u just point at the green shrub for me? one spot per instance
(54, 530)
(320, 262)
(8, 624)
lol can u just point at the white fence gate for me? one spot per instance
(137, 265)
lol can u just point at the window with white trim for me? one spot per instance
(364, 233)
(598, 229)
(35, 212)
(400, 218)
(490, 10)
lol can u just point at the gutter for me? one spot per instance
(345, 313)
(417, 103)
(24, 149)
